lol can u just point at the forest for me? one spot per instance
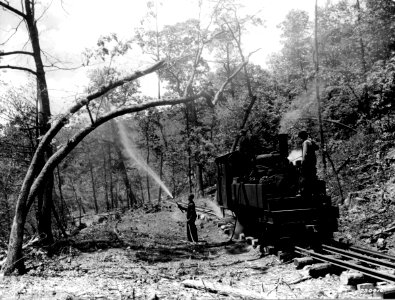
(334, 77)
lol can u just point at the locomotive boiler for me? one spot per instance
(264, 194)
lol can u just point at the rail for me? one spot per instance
(358, 256)
(348, 265)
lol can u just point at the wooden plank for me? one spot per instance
(222, 289)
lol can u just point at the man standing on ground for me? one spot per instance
(191, 218)
(308, 168)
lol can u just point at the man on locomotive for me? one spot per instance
(246, 149)
(308, 172)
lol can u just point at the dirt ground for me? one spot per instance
(156, 262)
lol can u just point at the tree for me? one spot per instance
(294, 63)
(27, 13)
(185, 73)
(377, 27)
(17, 144)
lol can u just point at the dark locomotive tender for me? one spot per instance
(264, 195)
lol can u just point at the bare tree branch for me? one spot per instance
(16, 52)
(15, 31)
(221, 90)
(57, 68)
(61, 3)
(251, 53)
(45, 10)
(188, 87)
(332, 121)
(14, 10)
(18, 68)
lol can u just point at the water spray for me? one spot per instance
(132, 153)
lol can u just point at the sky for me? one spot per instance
(68, 27)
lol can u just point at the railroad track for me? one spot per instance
(371, 263)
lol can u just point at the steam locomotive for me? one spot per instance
(265, 197)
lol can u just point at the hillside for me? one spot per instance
(367, 215)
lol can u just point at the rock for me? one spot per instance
(381, 243)
(351, 278)
(365, 286)
(101, 220)
(346, 202)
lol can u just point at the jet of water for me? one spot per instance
(132, 153)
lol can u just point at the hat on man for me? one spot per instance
(303, 134)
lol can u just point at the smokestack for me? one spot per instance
(283, 144)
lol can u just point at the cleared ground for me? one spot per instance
(153, 259)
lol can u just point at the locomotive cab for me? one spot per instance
(266, 200)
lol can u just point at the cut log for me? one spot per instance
(321, 269)
(221, 289)
(300, 262)
(352, 278)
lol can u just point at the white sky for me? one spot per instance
(66, 30)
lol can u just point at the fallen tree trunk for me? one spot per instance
(221, 289)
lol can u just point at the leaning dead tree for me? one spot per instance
(236, 34)
(37, 174)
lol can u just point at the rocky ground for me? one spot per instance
(145, 255)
